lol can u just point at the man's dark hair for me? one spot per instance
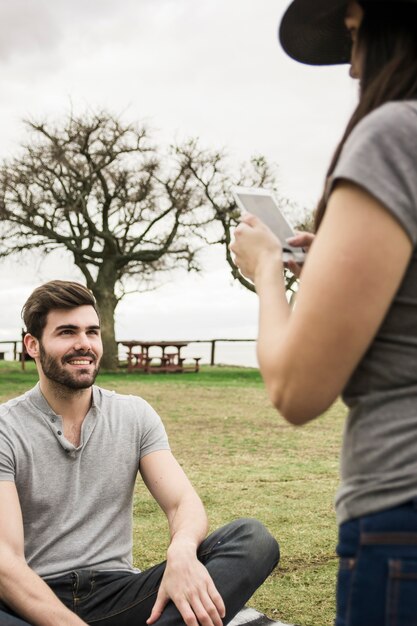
(57, 294)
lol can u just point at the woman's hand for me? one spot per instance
(255, 247)
(300, 240)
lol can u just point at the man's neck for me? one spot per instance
(71, 404)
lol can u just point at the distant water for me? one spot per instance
(226, 353)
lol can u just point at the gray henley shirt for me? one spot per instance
(77, 502)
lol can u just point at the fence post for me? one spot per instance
(213, 349)
(23, 353)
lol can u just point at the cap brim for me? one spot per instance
(314, 32)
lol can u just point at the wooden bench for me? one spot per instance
(170, 359)
(168, 363)
(142, 361)
(192, 368)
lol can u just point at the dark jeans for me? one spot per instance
(238, 556)
(377, 580)
(8, 620)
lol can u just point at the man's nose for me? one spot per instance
(82, 342)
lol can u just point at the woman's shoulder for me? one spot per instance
(387, 130)
(398, 116)
(380, 156)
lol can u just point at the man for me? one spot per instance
(69, 456)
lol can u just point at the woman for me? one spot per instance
(354, 329)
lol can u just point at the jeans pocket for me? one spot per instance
(343, 590)
(402, 593)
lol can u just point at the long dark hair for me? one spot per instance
(387, 43)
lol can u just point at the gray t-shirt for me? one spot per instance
(77, 502)
(379, 454)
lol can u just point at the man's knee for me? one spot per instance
(10, 620)
(258, 538)
(253, 541)
(246, 539)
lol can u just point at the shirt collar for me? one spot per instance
(38, 399)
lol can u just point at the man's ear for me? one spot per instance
(31, 345)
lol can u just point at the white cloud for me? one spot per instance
(26, 28)
(210, 69)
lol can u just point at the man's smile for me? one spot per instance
(80, 360)
(83, 362)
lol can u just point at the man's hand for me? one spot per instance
(185, 581)
(189, 585)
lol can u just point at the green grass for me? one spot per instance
(244, 460)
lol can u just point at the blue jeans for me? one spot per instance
(377, 579)
(238, 556)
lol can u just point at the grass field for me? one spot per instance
(244, 460)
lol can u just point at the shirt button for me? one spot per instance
(53, 419)
(59, 432)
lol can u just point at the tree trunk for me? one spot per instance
(103, 289)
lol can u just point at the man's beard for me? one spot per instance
(53, 368)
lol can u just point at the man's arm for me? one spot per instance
(20, 588)
(186, 581)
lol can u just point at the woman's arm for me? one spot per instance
(307, 356)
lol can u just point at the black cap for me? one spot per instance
(314, 32)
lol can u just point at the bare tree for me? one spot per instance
(125, 211)
(214, 177)
(100, 190)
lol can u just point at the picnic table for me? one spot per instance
(169, 358)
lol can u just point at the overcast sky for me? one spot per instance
(211, 69)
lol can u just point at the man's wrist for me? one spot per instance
(181, 543)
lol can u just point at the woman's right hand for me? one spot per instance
(300, 240)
